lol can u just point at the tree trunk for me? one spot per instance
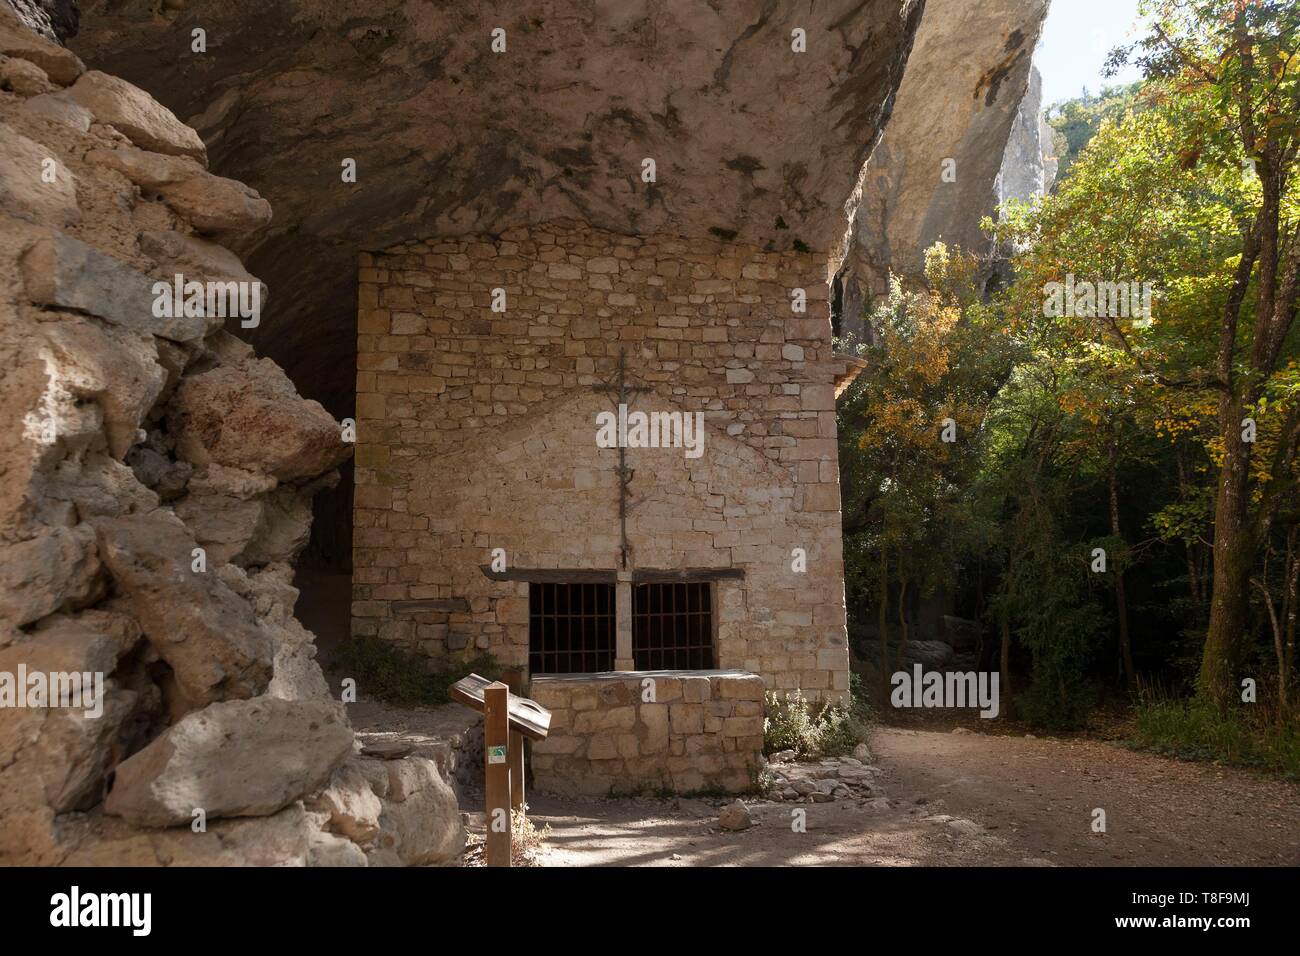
(1004, 665)
(1234, 554)
(1121, 603)
(1286, 653)
(1193, 575)
(883, 617)
(902, 615)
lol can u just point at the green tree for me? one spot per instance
(1235, 68)
(937, 361)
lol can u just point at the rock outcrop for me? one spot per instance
(934, 174)
(155, 488)
(1029, 164)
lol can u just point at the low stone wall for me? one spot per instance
(698, 730)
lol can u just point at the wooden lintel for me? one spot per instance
(552, 575)
(682, 575)
(597, 576)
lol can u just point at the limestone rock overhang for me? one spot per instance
(751, 140)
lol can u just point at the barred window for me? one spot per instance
(672, 626)
(571, 628)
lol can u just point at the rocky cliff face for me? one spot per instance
(1028, 165)
(934, 174)
(53, 19)
(155, 487)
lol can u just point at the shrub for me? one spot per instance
(826, 730)
(1191, 730)
(397, 676)
(1062, 701)
(789, 725)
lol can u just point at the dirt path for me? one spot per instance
(963, 799)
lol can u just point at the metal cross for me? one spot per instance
(618, 389)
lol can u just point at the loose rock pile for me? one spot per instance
(155, 488)
(822, 781)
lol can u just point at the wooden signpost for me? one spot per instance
(507, 720)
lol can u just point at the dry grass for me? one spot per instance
(526, 843)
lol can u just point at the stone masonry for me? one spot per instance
(476, 431)
(702, 732)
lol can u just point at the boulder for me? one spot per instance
(201, 628)
(212, 204)
(98, 487)
(242, 758)
(194, 258)
(65, 272)
(735, 816)
(251, 417)
(56, 756)
(222, 524)
(59, 108)
(292, 837)
(249, 532)
(353, 807)
(144, 120)
(24, 189)
(962, 634)
(421, 823)
(296, 675)
(113, 366)
(16, 39)
(932, 654)
(55, 570)
(23, 77)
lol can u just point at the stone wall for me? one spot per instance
(155, 488)
(476, 430)
(702, 732)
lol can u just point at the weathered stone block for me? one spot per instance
(238, 758)
(212, 204)
(748, 687)
(56, 569)
(24, 191)
(686, 718)
(209, 636)
(251, 417)
(59, 63)
(144, 120)
(695, 689)
(65, 272)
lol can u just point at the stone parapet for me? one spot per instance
(646, 731)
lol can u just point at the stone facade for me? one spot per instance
(702, 732)
(476, 431)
